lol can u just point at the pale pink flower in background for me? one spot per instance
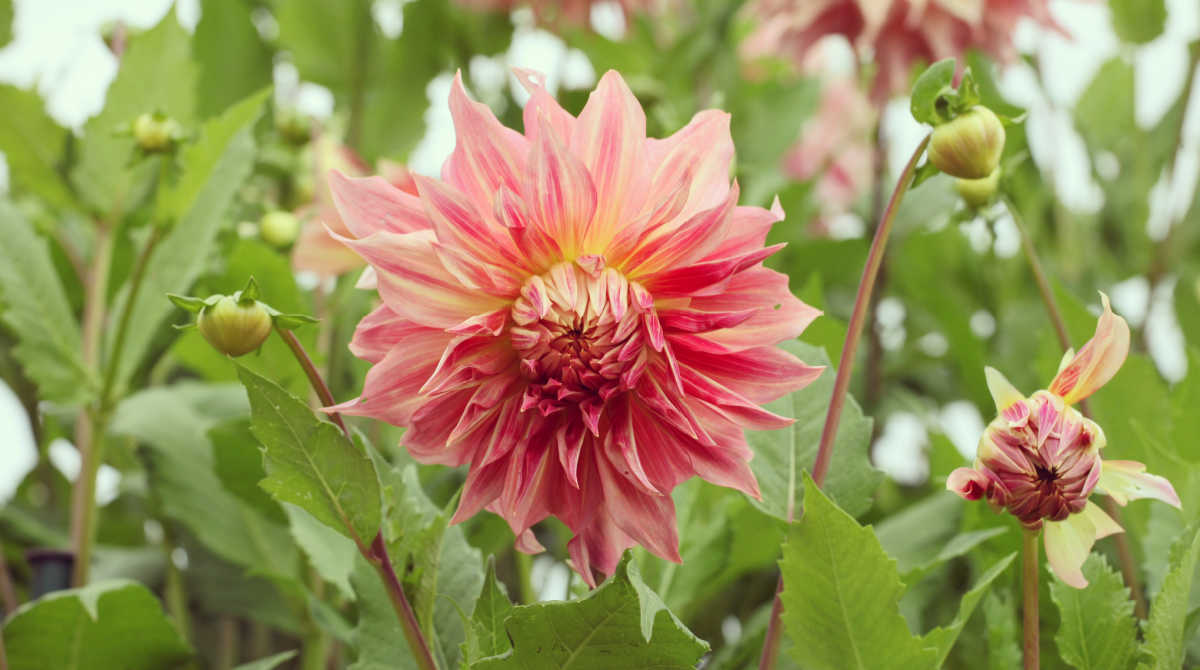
(836, 148)
(315, 250)
(1040, 458)
(895, 34)
(579, 314)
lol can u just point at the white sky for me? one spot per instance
(57, 48)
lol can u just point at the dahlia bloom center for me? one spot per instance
(579, 335)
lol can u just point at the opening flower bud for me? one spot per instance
(235, 327)
(278, 228)
(156, 133)
(969, 146)
(978, 192)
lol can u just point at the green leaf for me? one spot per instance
(622, 619)
(486, 635)
(233, 60)
(944, 637)
(924, 534)
(173, 424)
(781, 455)
(157, 75)
(1003, 635)
(268, 663)
(213, 169)
(34, 306)
(1098, 631)
(929, 91)
(311, 464)
(1165, 641)
(330, 554)
(106, 625)
(6, 21)
(841, 595)
(377, 638)
(1138, 21)
(33, 144)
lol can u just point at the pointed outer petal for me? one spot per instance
(476, 274)
(319, 252)
(1128, 480)
(487, 154)
(621, 447)
(390, 389)
(706, 278)
(541, 104)
(671, 409)
(648, 519)
(427, 438)
(1065, 360)
(694, 321)
(703, 149)
(536, 251)
(1003, 392)
(598, 547)
(414, 283)
(382, 329)
(968, 483)
(371, 204)
(483, 485)
(534, 486)
(570, 439)
(1068, 543)
(527, 543)
(1105, 525)
(760, 374)
(469, 360)
(778, 315)
(660, 215)
(368, 280)
(684, 244)
(608, 138)
(724, 462)
(460, 223)
(748, 229)
(1097, 361)
(729, 404)
(559, 193)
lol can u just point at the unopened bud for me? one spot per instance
(278, 228)
(235, 326)
(293, 126)
(969, 146)
(978, 192)
(156, 133)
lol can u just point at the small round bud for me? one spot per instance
(235, 327)
(978, 192)
(969, 146)
(156, 134)
(293, 126)
(305, 188)
(278, 228)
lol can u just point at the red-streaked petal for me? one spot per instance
(1097, 361)
(559, 193)
(1128, 480)
(370, 204)
(487, 156)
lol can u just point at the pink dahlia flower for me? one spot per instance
(899, 33)
(579, 314)
(1040, 458)
(315, 250)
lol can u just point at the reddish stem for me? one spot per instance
(1029, 585)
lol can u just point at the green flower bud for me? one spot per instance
(235, 326)
(156, 133)
(969, 146)
(978, 192)
(278, 228)
(293, 126)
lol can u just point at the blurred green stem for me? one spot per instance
(175, 593)
(8, 596)
(525, 577)
(1124, 551)
(1029, 585)
(837, 401)
(112, 370)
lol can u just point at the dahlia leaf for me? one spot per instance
(268, 663)
(486, 635)
(1003, 631)
(924, 535)
(175, 423)
(1138, 21)
(1166, 640)
(310, 463)
(233, 59)
(781, 455)
(93, 628)
(34, 306)
(622, 619)
(378, 639)
(213, 170)
(841, 595)
(1097, 629)
(943, 637)
(157, 75)
(34, 145)
(329, 552)
(6, 21)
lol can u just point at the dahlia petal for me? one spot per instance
(1069, 541)
(542, 105)
(369, 205)
(748, 228)
(681, 245)
(648, 519)
(319, 252)
(1128, 480)
(428, 435)
(968, 483)
(778, 315)
(527, 543)
(597, 547)
(608, 137)
(488, 154)
(706, 278)
(1003, 392)
(1097, 361)
(390, 389)
(761, 374)
(703, 149)
(483, 485)
(559, 191)
(456, 220)
(381, 330)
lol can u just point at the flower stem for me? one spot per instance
(8, 596)
(833, 416)
(377, 553)
(112, 370)
(1029, 585)
(1124, 552)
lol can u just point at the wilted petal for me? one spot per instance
(1128, 480)
(1097, 361)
